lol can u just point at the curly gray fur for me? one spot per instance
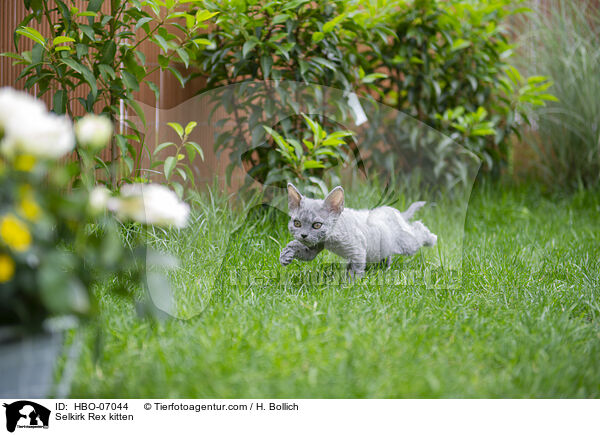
(359, 236)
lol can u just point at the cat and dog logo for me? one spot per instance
(26, 414)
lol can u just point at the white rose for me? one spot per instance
(98, 200)
(18, 106)
(152, 204)
(94, 131)
(29, 129)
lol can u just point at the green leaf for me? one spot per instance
(181, 173)
(293, 4)
(65, 12)
(514, 74)
(178, 188)
(332, 142)
(177, 127)
(325, 63)
(190, 127)
(202, 41)
(86, 73)
(130, 81)
(88, 31)
(203, 15)
(154, 88)
(108, 52)
(107, 72)
(87, 14)
(248, 46)
(483, 132)
(536, 79)
(312, 164)
(297, 148)
(59, 102)
(95, 5)
(163, 61)
(161, 42)
(32, 34)
(459, 44)
(62, 39)
(196, 147)
(281, 18)
(138, 111)
(142, 21)
(370, 78)
(266, 62)
(170, 163)
(184, 56)
(329, 25)
(341, 133)
(13, 56)
(177, 75)
(129, 163)
(548, 97)
(317, 36)
(163, 146)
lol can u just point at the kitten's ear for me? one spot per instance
(294, 197)
(335, 200)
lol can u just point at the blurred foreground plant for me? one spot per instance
(58, 241)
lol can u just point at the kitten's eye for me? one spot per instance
(297, 223)
(317, 225)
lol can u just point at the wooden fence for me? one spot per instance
(158, 112)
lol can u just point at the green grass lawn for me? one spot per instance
(524, 322)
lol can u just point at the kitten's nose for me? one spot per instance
(304, 236)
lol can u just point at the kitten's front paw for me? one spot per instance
(286, 256)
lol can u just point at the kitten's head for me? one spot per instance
(312, 219)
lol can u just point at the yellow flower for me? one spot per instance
(24, 162)
(29, 209)
(7, 268)
(14, 233)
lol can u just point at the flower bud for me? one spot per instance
(93, 132)
(98, 200)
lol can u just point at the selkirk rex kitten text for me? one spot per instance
(359, 236)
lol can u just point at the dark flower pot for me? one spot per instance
(28, 363)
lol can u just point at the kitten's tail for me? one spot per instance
(414, 207)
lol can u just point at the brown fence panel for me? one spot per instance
(158, 112)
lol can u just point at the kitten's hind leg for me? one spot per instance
(386, 263)
(356, 266)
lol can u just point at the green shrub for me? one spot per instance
(175, 164)
(448, 66)
(101, 50)
(305, 161)
(297, 41)
(281, 40)
(566, 47)
(442, 62)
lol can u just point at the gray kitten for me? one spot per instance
(360, 236)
